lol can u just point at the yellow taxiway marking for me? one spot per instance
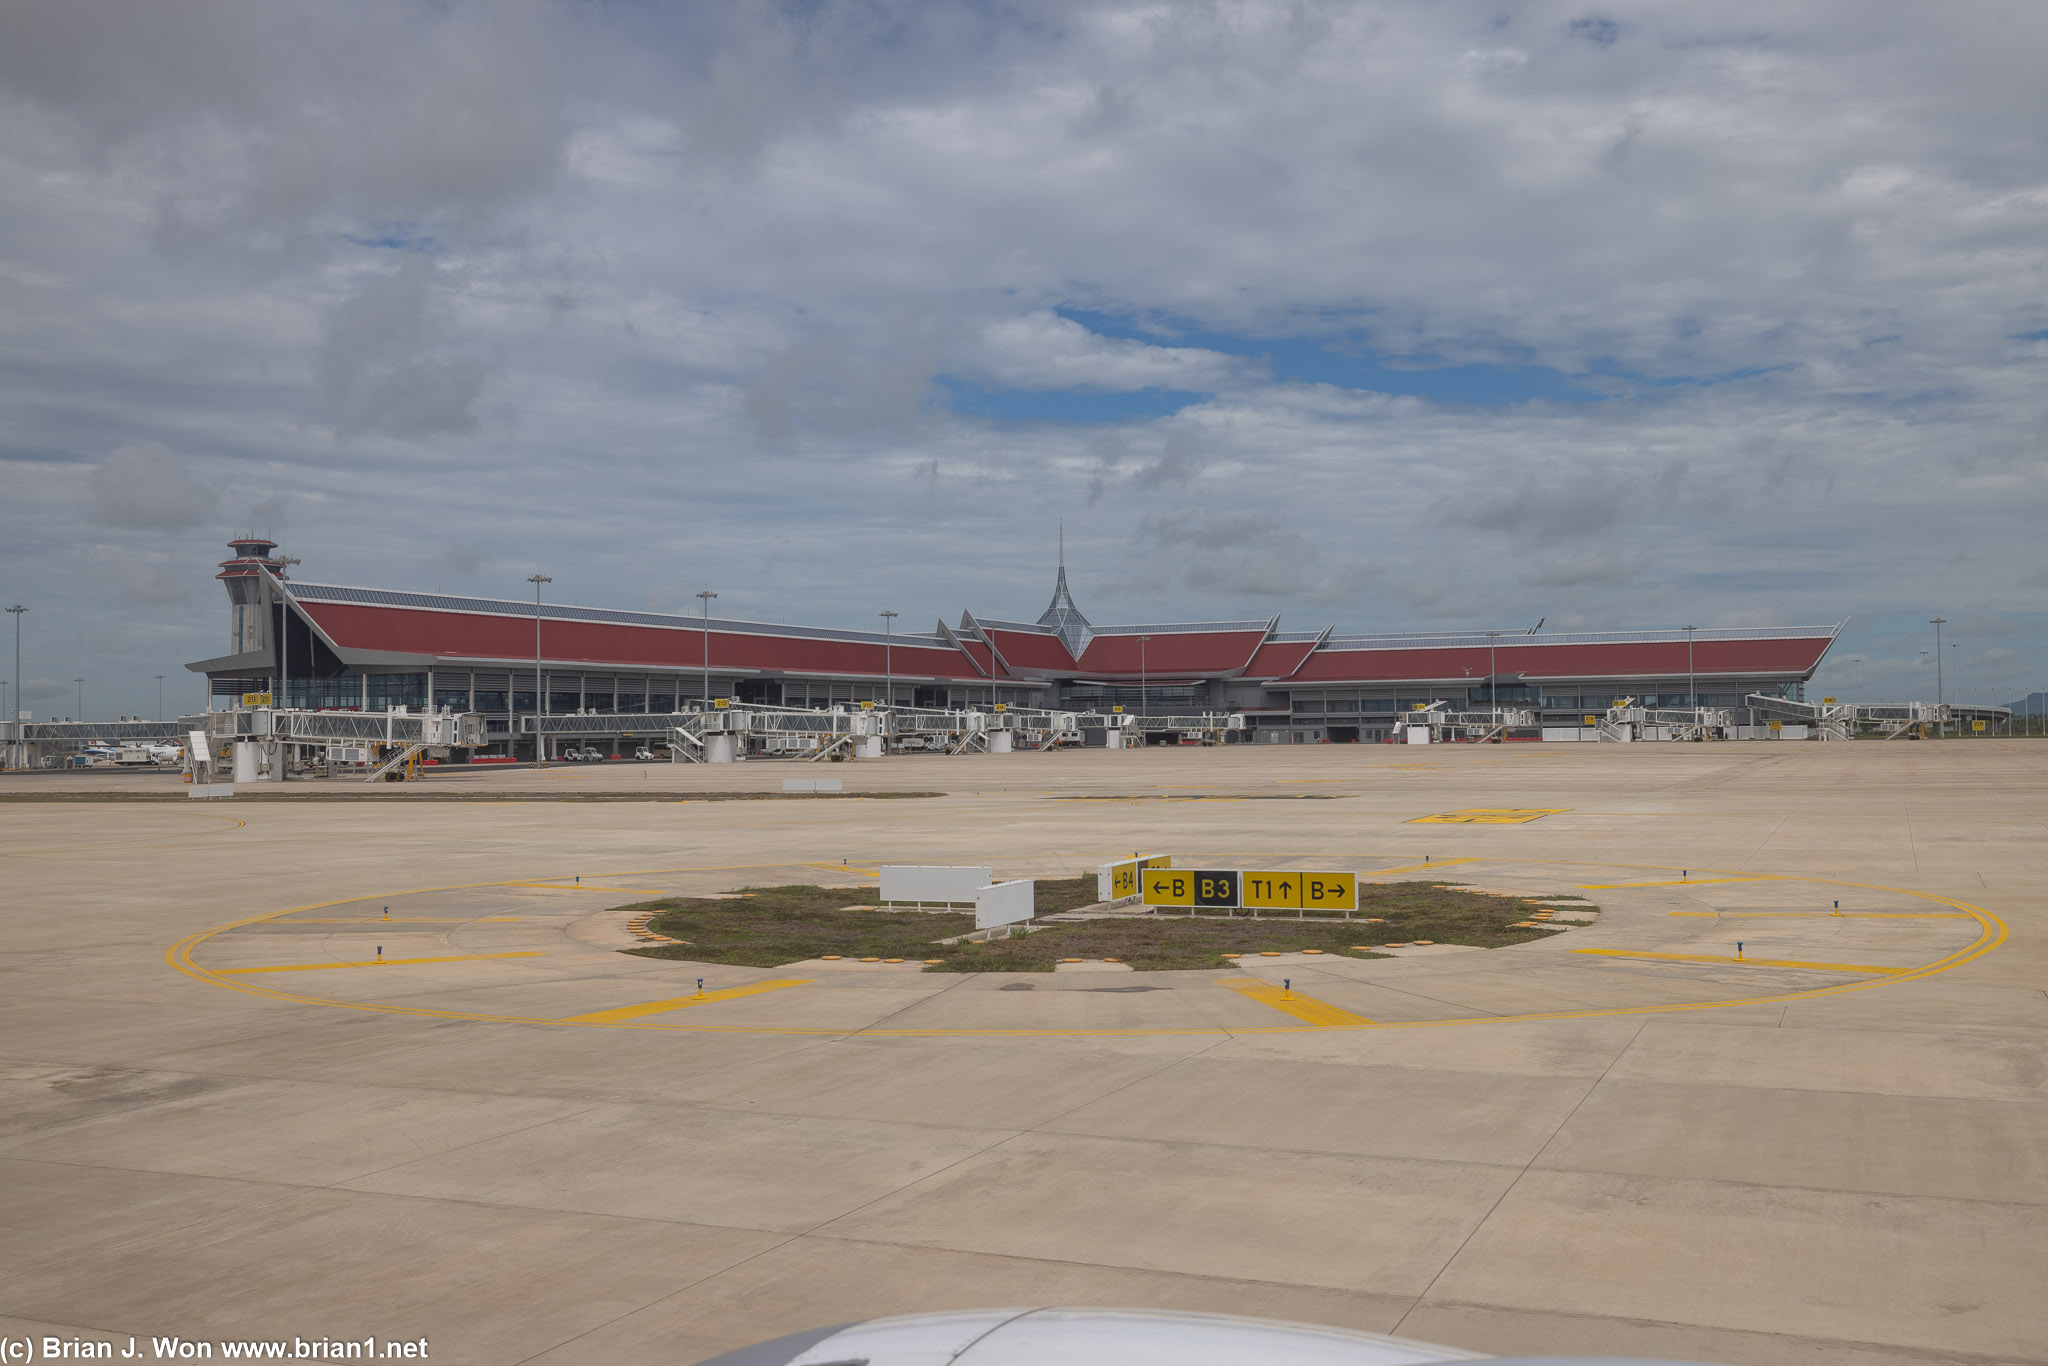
(1491, 815)
(1431, 866)
(1993, 932)
(411, 920)
(591, 887)
(1680, 882)
(626, 1013)
(1752, 962)
(1832, 915)
(841, 868)
(378, 963)
(1304, 1008)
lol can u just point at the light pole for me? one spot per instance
(81, 697)
(15, 612)
(1493, 672)
(284, 633)
(540, 694)
(1143, 689)
(1959, 725)
(889, 657)
(1692, 695)
(705, 597)
(1936, 623)
(159, 697)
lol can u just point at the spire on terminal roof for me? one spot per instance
(1063, 616)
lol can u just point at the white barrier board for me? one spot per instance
(813, 784)
(1119, 881)
(1004, 903)
(933, 886)
(210, 790)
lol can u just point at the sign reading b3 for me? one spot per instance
(1189, 886)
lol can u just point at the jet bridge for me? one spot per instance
(1891, 720)
(1439, 724)
(1209, 727)
(726, 734)
(262, 740)
(35, 744)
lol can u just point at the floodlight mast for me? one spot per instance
(706, 597)
(1144, 693)
(1937, 623)
(540, 695)
(1692, 696)
(1493, 673)
(16, 612)
(889, 657)
(159, 697)
(282, 697)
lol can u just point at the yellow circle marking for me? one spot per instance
(1993, 933)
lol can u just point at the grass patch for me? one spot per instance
(1154, 944)
(771, 926)
(1052, 895)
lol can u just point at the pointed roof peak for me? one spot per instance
(1062, 616)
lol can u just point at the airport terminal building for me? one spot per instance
(329, 646)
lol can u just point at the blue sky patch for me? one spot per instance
(1063, 405)
(1351, 364)
(396, 237)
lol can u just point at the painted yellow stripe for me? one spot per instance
(1835, 915)
(1682, 882)
(1992, 935)
(1751, 962)
(376, 963)
(1304, 1008)
(1420, 867)
(592, 887)
(409, 920)
(625, 1013)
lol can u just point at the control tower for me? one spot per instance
(251, 584)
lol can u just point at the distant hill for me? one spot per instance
(2033, 704)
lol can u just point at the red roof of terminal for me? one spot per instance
(477, 630)
(1278, 659)
(1606, 659)
(1031, 650)
(1209, 653)
(473, 636)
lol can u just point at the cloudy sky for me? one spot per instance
(1393, 315)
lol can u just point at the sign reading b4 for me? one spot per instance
(1291, 891)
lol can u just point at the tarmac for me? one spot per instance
(1717, 1121)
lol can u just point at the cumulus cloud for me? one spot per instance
(1043, 350)
(259, 123)
(577, 278)
(388, 364)
(145, 486)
